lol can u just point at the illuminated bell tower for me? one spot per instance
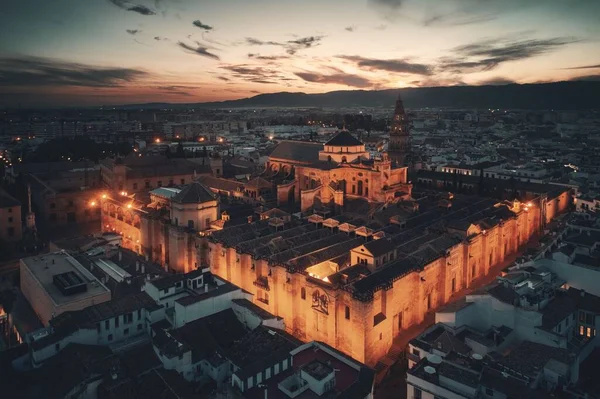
(399, 143)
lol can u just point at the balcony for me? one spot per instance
(412, 357)
(262, 282)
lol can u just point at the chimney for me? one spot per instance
(147, 257)
(205, 287)
(137, 265)
(120, 255)
(143, 269)
(582, 292)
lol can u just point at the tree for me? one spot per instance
(7, 298)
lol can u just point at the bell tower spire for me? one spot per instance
(399, 143)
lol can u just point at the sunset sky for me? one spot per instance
(93, 52)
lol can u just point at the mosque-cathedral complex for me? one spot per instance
(367, 256)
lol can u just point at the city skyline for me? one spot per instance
(117, 52)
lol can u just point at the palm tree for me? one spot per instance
(7, 299)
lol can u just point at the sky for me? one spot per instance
(105, 52)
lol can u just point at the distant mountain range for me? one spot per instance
(573, 95)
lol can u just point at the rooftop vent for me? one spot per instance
(429, 370)
(434, 359)
(477, 356)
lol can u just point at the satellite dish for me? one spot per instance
(477, 356)
(429, 370)
(434, 359)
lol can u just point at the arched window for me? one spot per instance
(303, 293)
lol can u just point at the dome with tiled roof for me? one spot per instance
(344, 139)
(195, 193)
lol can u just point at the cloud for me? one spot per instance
(159, 38)
(255, 74)
(267, 57)
(291, 46)
(392, 4)
(350, 28)
(584, 67)
(397, 65)
(37, 71)
(486, 55)
(139, 8)
(133, 31)
(200, 50)
(457, 19)
(200, 25)
(256, 42)
(223, 78)
(339, 78)
(497, 81)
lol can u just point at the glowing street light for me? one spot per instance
(129, 206)
(103, 196)
(157, 140)
(93, 203)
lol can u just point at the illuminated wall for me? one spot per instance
(314, 310)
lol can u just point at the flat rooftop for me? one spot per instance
(45, 267)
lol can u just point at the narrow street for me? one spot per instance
(391, 369)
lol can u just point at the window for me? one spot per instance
(207, 222)
(589, 319)
(182, 181)
(581, 316)
(135, 186)
(10, 219)
(110, 337)
(347, 313)
(147, 184)
(57, 347)
(117, 321)
(380, 336)
(191, 224)
(560, 327)
(416, 352)
(489, 392)
(11, 231)
(303, 293)
(128, 318)
(70, 203)
(126, 331)
(139, 327)
(98, 327)
(139, 314)
(9, 210)
(107, 324)
(581, 330)
(417, 394)
(159, 183)
(170, 182)
(454, 284)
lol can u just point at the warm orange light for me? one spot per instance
(103, 196)
(157, 140)
(220, 139)
(129, 206)
(93, 203)
(271, 137)
(201, 138)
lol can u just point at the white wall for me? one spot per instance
(206, 307)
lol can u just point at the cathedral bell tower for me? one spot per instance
(399, 143)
